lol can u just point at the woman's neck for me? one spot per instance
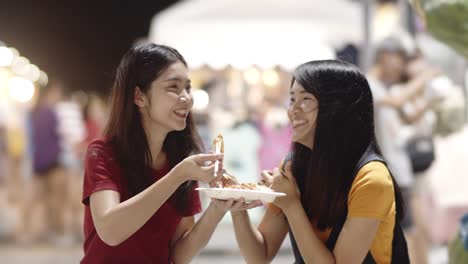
(309, 143)
(156, 135)
(157, 153)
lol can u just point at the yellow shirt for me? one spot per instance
(372, 196)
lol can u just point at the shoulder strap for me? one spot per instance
(368, 156)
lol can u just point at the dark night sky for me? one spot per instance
(79, 42)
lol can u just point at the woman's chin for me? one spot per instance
(296, 137)
(180, 127)
(302, 141)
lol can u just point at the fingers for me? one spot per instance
(230, 179)
(254, 204)
(236, 205)
(277, 172)
(208, 160)
(217, 181)
(267, 176)
(251, 205)
(214, 183)
(288, 172)
(241, 205)
(229, 203)
(206, 175)
(209, 168)
(226, 205)
(226, 175)
(202, 158)
(207, 163)
(220, 168)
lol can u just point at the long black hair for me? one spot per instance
(344, 130)
(139, 67)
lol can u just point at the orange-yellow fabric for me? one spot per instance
(371, 196)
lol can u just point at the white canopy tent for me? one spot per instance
(266, 33)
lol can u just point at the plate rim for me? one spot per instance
(277, 194)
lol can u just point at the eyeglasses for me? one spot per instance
(306, 105)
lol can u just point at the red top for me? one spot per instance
(150, 244)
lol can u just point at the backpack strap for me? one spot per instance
(368, 156)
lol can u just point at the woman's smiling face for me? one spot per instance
(169, 99)
(302, 113)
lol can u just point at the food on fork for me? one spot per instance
(218, 145)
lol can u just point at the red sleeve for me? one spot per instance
(195, 204)
(100, 170)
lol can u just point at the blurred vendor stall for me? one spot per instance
(266, 33)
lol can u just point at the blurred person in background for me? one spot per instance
(139, 183)
(17, 153)
(275, 134)
(46, 199)
(72, 132)
(416, 129)
(342, 204)
(87, 126)
(434, 116)
(95, 117)
(243, 142)
(401, 112)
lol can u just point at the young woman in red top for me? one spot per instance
(139, 181)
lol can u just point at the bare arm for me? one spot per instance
(352, 245)
(410, 90)
(355, 240)
(410, 118)
(115, 221)
(191, 237)
(259, 245)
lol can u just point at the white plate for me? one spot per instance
(248, 195)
